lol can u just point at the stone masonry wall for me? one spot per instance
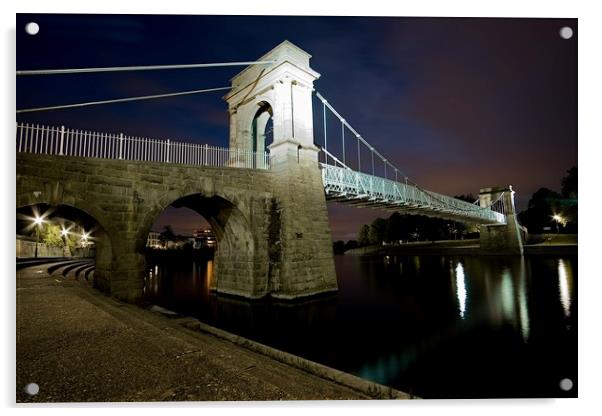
(501, 239)
(307, 265)
(125, 198)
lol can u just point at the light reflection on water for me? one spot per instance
(565, 286)
(461, 289)
(507, 294)
(523, 304)
(438, 326)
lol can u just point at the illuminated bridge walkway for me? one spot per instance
(364, 190)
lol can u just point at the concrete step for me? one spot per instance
(89, 274)
(85, 271)
(64, 268)
(53, 268)
(76, 272)
(28, 262)
(70, 271)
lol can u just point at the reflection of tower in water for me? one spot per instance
(523, 309)
(511, 298)
(506, 295)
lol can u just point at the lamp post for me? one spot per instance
(558, 220)
(38, 221)
(85, 243)
(64, 234)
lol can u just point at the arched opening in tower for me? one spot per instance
(262, 130)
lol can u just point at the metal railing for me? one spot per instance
(347, 185)
(63, 141)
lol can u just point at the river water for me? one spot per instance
(433, 326)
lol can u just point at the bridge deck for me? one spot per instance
(359, 189)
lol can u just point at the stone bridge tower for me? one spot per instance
(505, 238)
(299, 241)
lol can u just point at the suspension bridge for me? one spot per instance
(266, 201)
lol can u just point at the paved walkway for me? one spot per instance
(79, 345)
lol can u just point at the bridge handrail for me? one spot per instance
(63, 141)
(356, 186)
(442, 199)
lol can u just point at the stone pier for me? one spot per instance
(501, 239)
(300, 245)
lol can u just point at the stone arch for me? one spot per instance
(71, 208)
(259, 123)
(255, 111)
(235, 270)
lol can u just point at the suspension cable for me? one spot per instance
(136, 68)
(335, 158)
(325, 138)
(120, 100)
(359, 137)
(374, 151)
(343, 138)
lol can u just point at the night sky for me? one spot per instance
(457, 104)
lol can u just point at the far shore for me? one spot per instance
(539, 244)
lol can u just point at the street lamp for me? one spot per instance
(558, 220)
(37, 221)
(84, 239)
(64, 234)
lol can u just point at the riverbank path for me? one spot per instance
(80, 345)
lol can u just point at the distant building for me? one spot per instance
(152, 240)
(204, 238)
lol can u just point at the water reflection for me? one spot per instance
(507, 295)
(565, 286)
(461, 289)
(209, 278)
(438, 326)
(523, 305)
(387, 369)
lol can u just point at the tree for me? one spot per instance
(363, 237)
(338, 247)
(167, 235)
(394, 228)
(72, 240)
(543, 205)
(569, 184)
(546, 204)
(569, 204)
(51, 236)
(351, 244)
(378, 228)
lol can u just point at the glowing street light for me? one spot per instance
(84, 238)
(38, 221)
(64, 234)
(559, 220)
